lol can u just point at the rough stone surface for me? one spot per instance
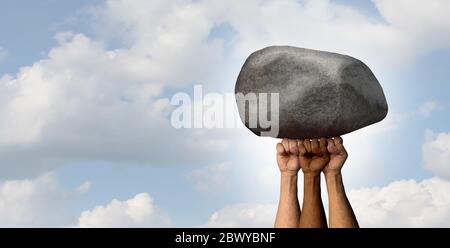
(321, 94)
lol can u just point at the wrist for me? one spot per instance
(311, 188)
(311, 173)
(335, 185)
(289, 185)
(332, 173)
(310, 179)
(289, 173)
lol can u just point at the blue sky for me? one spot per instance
(28, 28)
(411, 66)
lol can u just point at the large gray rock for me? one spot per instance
(321, 94)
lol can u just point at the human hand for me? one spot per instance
(287, 156)
(338, 156)
(313, 155)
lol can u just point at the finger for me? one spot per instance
(323, 145)
(285, 143)
(338, 141)
(331, 147)
(301, 147)
(280, 149)
(338, 145)
(307, 144)
(293, 147)
(315, 146)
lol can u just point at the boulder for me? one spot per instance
(320, 94)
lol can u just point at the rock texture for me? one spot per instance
(321, 94)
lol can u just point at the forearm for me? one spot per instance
(340, 210)
(313, 211)
(288, 212)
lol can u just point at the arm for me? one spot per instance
(314, 213)
(288, 212)
(313, 158)
(341, 212)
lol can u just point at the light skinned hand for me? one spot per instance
(287, 156)
(338, 156)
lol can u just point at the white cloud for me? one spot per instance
(82, 104)
(153, 26)
(243, 215)
(210, 178)
(404, 203)
(43, 202)
(436, 153)
(168, 40)
(406, 32)
(427, 108)
(139, 211)
(33, 202)
(425, 23)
